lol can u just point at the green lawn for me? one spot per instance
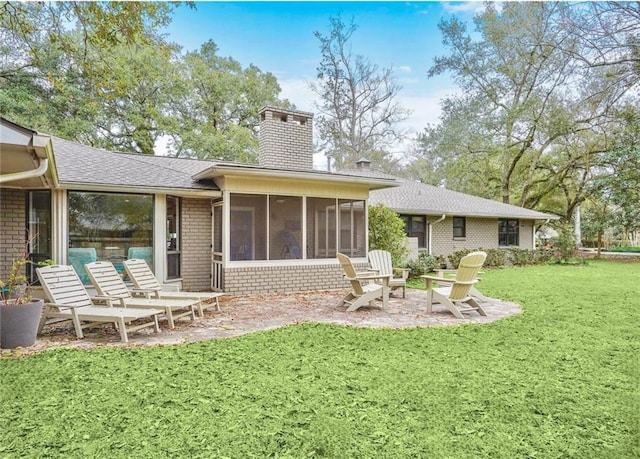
(559, 381)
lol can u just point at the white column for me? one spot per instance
(159, 236)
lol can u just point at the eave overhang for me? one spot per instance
(220, 171)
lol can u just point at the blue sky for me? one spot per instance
(278, 37)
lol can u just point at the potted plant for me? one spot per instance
(19, 313)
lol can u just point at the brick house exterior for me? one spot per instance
(271, 227)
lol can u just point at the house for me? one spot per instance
(239, 228)
(234, 227)
(441, 221)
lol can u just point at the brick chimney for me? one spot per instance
(286, 139)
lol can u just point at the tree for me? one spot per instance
(386, 232)
(215, 108)
(533, 120)
(358, 111)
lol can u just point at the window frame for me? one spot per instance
(507, 237)
(462, 228)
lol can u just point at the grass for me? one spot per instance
(559, 381)
(624, 249)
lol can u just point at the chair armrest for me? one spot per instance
(369, 276)
(110, 298)
(69, 306)
(404, 272)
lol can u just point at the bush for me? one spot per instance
(521, 257)
(423, 265)
(495, 257)
(386, 232)
(565, 244)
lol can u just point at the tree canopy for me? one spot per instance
(543, 90)
(102, 74)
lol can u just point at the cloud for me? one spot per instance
(404, 69)
(298, 92)
(463, 7)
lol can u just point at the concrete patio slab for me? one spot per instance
(246, 314)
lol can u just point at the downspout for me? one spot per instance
(40, 171)
(431, 232)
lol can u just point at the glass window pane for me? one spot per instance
(285, 227)
(248, 227)
(39, 231)
(109, 226)
(321, 228)
(173, 237)
(351, 228)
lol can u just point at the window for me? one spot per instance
(321, 228)
(352, 228)
(39, 230)
(459, 227)
(109, 226)
(285, 227)
(416, 226)
(248, 227)
(173, 237)
(508, 232)
(271, 227)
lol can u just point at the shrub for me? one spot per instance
(386, 232)
(424, 264)
(565, 244)
(521, 257)
(495, 257)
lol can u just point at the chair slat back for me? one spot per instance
(350, 271)
(105, 279)
(62, 286)
(380, 260)
(140, 274)
(468, 270)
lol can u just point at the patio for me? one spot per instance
(247, 314)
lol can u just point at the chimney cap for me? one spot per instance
(363, 163)
(288, 111)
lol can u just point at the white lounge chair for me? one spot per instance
(147, 283)
(70, 301)
(380, 261)
(363, 291)
(112, 289)
(456, 297)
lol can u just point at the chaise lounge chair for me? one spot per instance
(456, 296)
(380, 261)
(70, 301)
(363, 291)
(111, 288)
(147, 283)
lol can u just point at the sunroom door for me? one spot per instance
(217, 273)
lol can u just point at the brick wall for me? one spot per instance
(250, 280)
(196, 244)
(286, 139)
(481, 232)
(12, 227)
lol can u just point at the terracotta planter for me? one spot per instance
(19, 324)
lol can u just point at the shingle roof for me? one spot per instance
(415, 197)
(79, 163)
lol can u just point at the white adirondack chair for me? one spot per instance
(456, 296)
(380, 261)
(68, 300)
(112, 289)
(363, 291)
(147, 283)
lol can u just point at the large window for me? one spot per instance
(459, 227)
(39, 230)
(508, 232)
(173, 237)
(109, 226)
(416, 226)
(271, 227)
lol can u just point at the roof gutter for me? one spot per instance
(38, 172)
(431, 232)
